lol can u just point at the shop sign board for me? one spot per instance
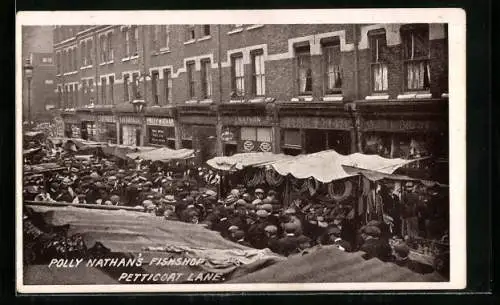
(245, 121)
(169, 122)
(87, 117)
(401, 125)
(160, 135)
(130, 120)
(106, 119)
(255, 146)
(198, 120)
(316, 123)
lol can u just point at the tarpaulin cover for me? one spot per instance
(42, 167)
(128, 233)
(242, 160)
(33, 134)
(30, 151)
(326, 166)
(163, 154)
(330, 265)
(121, 151)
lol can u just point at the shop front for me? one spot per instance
(160, 131)
(305, 135)
(106, 129)
(410, 139)
(246, 133)
(71, 126)
(131, 130)
(198, 132)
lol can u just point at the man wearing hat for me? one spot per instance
(272, 238)
(292, 217)
(289, 244)
(239, 237)
(373, 246)
(401, 253)
(259, 193)
(333, 238)
(256, 233)
(231, 230)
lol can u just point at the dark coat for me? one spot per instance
(375, 247)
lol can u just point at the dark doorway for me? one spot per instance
(315, 141)
(137, 137)
(230, 149)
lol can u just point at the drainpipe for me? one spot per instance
(218, 126)
(96, 64)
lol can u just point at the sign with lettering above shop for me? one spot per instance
(316, 123)
(160, 121)
(402, 125)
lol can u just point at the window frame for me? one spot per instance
(190, 33)
(191, 69)
(155, 77)
(258, 77)
(328, 47)
(167, 85)
(303, 52)
(206, 27)
(126, 80)
(111, 89)
(235, 80)
(206, 78)
(104, 100)
(376, 61)
(410, 31)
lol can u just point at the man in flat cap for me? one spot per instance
(373, 246)
(256, 233)
(334, 238)
(289, 244)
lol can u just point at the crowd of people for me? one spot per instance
(255, 217)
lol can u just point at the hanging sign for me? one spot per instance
(227, 136)
(248, 146)
(265, 146)
(160, 121)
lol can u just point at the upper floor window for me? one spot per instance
(206, 79)
(155, 76)
(58, 62)
(47, 60)
(126, 94)
(106, 47)
(190, 33)
(111, 89)
(415, 39)
(238, 75)
(89, 52)
(83, 53)
(167, 85)
(191, 82)
(206, 30)
(258, 74)
(332, 69)
(304, 70)
(378, 59)
(103, 91)
(160, 38)
(130, 37)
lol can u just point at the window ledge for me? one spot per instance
(237, 30)
(205, 38)
(257, 100)
(306, 98)
(70, 73)
(256, 26)
(236, 101)
(103, 63)
(164, 50)
(191, 102)
(206, 101)
(125, 59)
(189, 41)
(377, 97)
(445, 95)
(86, 67)
(414, 96)
(333, 98)
(110, 62)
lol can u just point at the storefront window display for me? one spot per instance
(131, 135)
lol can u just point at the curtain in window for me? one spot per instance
(129, 134)
(418, 75)
(380, 80)
(260, 80)
(239, 75)
(305, 74)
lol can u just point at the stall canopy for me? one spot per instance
(163, 154)
(31, 151)
(326, 166)
(121, 151)
(242, 160)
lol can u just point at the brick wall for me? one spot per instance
(280, 75)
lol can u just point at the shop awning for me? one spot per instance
(242, 160)
(33, 134)
(326, 166)
(376, 175)
(163, 154)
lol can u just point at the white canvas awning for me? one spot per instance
(242, 160)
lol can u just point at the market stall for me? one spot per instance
(163, 154)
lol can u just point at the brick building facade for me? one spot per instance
(221, 89)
